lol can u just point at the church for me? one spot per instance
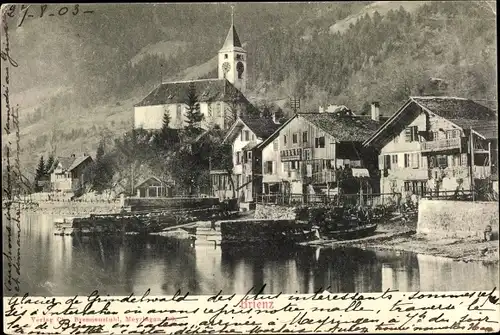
(221, 99)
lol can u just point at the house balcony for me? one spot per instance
(319, 177)
(440, 145)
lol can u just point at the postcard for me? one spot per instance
(250, 168)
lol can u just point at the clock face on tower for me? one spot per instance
(226, 67)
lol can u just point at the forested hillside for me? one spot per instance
(94, 67)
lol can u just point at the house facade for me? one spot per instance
(220, 98)
(244, 136)
(305, 155)
(434, 144)
(67, 173)
(153, 187)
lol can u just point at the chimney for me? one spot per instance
(274, 118)
(375, 111)
(72, 155)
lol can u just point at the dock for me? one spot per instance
(143, 222)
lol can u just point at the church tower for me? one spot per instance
(233, 59)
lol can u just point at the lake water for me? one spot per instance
(65, 266)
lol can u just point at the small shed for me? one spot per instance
(153, 187)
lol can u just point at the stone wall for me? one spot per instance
(274, 212)
(446, 218)
(151, 203)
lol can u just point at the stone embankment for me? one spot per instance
(274, 212)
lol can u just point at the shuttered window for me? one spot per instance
(319, 142)
(415, 160)
(411, 134)
(407, 160)
(387, 162)
(275, 145)
(304, 137)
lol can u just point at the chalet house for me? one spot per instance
(153, 187)
(220, 98)
(304, 155)
(66, 174)
(245, 135)
(434, 144)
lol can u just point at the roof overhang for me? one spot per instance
(387, 123)
(271, 138)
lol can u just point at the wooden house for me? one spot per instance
(305, 154)
(244, 136)
(153, 187)
(434, 144)
(67, 173)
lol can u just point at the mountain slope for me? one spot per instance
(94, 68)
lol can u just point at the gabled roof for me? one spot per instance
(143, 181)
(69, 163)
(261, 127)
(455, 108)
(464, 113)
(78, 161)
(232, 41)
(487, 129)
(344, 128)
(207, 90)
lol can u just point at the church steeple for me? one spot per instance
(232, 58)
(232, 38)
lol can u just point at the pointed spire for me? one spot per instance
(232, 38)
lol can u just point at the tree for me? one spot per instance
(100, 151)
(40, 170)
(48, 165)
(193, 113)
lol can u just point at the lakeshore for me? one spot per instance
(395, 235)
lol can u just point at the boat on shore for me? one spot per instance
(340, 223)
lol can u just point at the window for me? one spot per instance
(415, 160)
(294, 138)
(411, 134)
(249, 156)
(238, 157)
(225, 56)
(304, 137)
(275, 145)
(442, 161)
(307, 154)
(394, 160)
(218, 110)
(284, 139)
(179, 113)
(407, 160)
(294, 165)
(247, 135)
(319, 142)
(241, 136)
(396, 139)
(434, 136)
(268, 167)
(452, 133)
(387, 162)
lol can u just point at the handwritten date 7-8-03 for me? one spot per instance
(40, 11)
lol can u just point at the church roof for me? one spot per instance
(176, 92)
(232, 40)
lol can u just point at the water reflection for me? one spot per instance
(57, 265)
